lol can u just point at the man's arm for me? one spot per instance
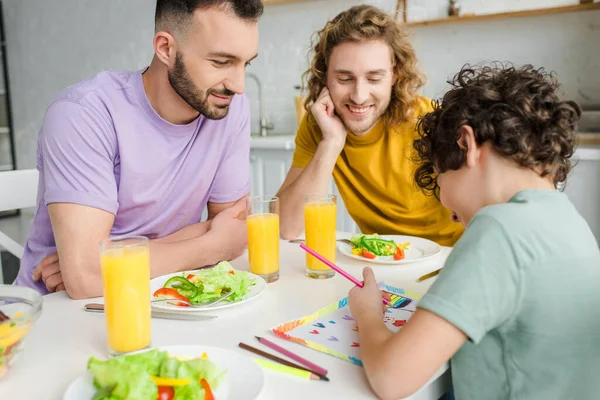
(200, 228)
(215, 208)
(188, 232)
(49, 268)
(301, 181)
(315, 177)
(79, 229)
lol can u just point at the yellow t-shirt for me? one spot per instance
(375, 177)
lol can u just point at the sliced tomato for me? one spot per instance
(367, 254)
(208, 392)
(190, 277)
(169, 293)
(399, 254)
(165, 393)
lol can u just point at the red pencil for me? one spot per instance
(313, 367)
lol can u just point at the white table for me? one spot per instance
(65, 336)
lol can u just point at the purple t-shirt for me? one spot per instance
(102, 145)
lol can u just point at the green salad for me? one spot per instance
(202, 286)
(372, 246)
(154, 375)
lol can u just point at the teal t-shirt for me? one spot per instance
(523, 283)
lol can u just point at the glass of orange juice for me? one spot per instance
(263, 236)
(320, 225)
(126, 281)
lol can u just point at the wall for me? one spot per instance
(53, 44)
(56, 43)
(566, 43)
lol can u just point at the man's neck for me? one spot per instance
(165, 101)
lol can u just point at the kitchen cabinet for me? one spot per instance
(583, 186)
(270, 161)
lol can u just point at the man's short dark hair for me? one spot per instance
(176, 14)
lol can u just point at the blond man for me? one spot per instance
(362, 110)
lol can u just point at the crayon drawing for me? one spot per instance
(332, 329)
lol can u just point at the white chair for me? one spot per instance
(18, 189)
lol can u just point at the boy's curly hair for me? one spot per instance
(367, 23)
(517, 110)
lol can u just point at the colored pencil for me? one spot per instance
(429, 275)
(312, 367)
(336, 268)
(276, 359)
(300, 373)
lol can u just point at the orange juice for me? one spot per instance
(263, 243)
(320, 226)
(126, 279)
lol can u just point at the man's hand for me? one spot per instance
(229, 227)
(366, 302)
(334, 131)
(49, 271)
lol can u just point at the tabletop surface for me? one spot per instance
(65, 336)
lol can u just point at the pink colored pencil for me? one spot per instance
(313, 367)
(335, 268)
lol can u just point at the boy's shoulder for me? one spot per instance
(527, 205)
(536, 222)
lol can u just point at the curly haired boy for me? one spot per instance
(516, 306)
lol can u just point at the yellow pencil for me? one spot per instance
(300, 373)
(429, 275)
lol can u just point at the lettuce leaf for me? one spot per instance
(219, 279)
(128, 381)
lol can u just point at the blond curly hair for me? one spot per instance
(367, 23)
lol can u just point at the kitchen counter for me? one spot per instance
(273, 142)
(588, 144)
(587, 153)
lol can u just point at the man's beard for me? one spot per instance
(183, 85)
(362, 127)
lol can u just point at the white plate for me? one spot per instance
(244, 379)
(158, 282)
(418, 250)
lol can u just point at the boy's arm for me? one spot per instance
(485, 268)
(397, 365)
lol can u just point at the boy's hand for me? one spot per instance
(366, 301)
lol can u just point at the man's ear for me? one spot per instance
(165, 47)
(466, 141)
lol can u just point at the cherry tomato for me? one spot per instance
(165, 393)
